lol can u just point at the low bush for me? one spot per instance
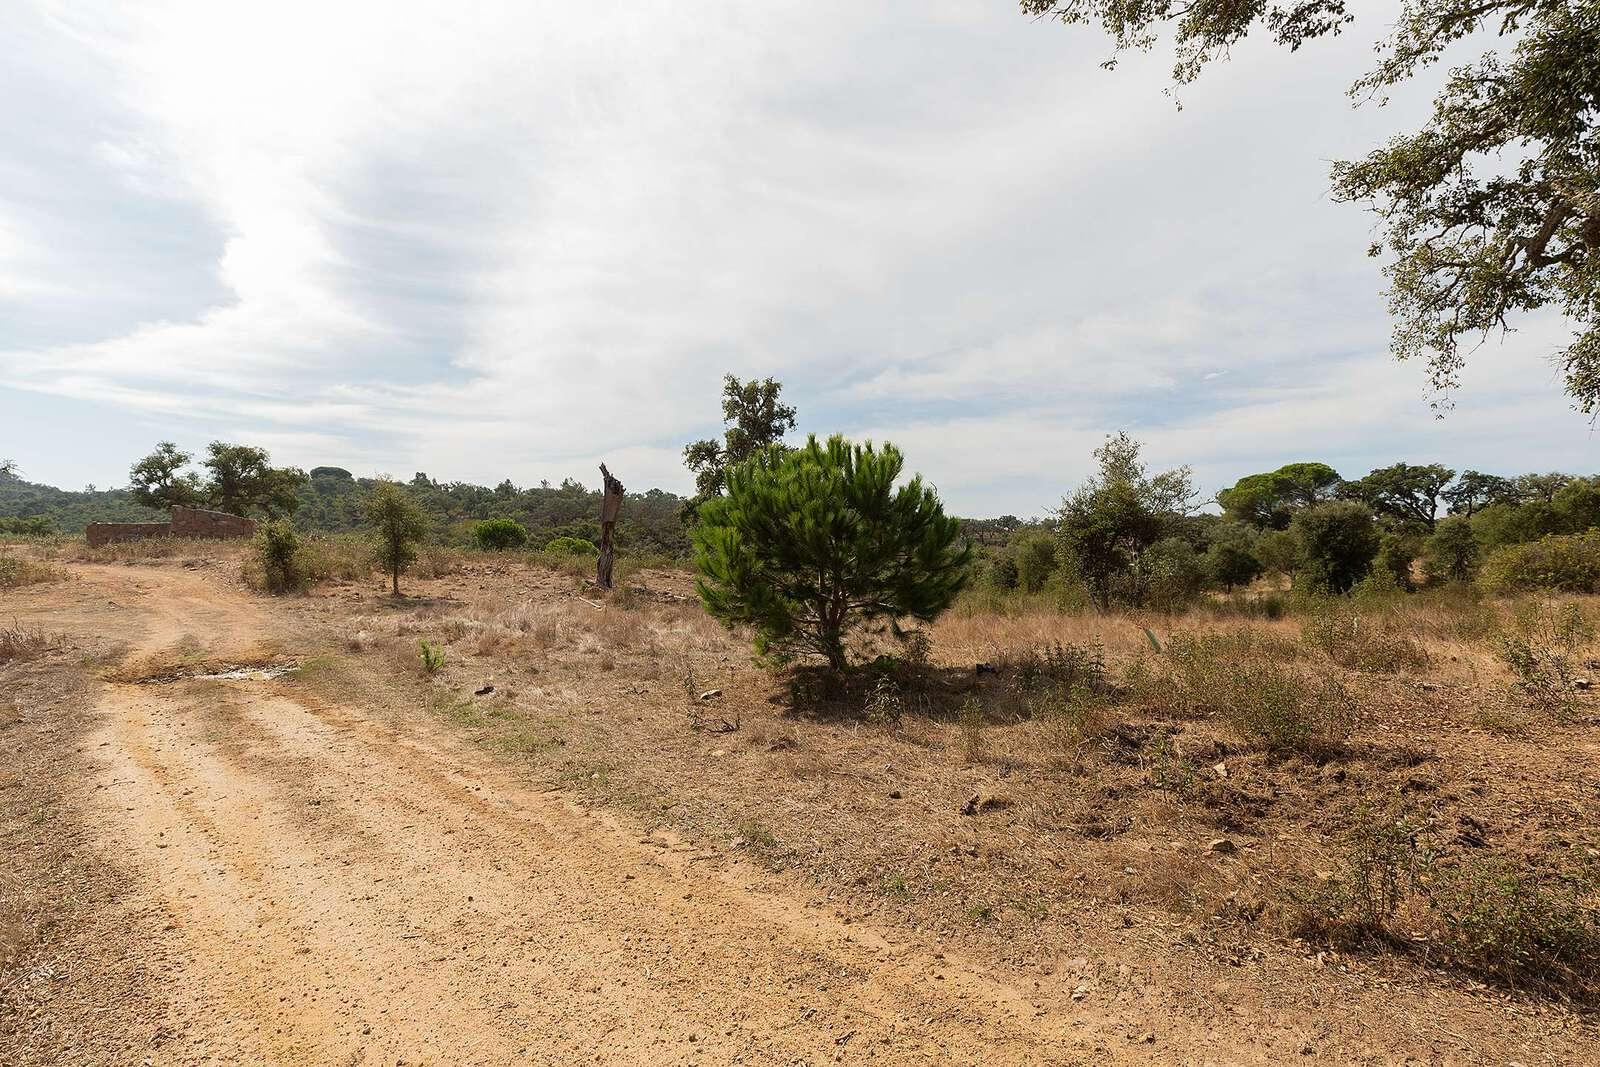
(1567, 563)
(1240, 679)
(276, 548)
(16, 572)
(570, 546)
(19, 644)
(1541, 646)
(1502, 922)
(497, 535)
(1376, 872)
(1357, 641)
(1483, 915)
(29, 526)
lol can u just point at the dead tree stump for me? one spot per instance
(610, 505)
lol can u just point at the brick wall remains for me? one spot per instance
(108, 533)
(194, 522)
(186, 522)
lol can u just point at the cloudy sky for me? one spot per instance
(491, 240)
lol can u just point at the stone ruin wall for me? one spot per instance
(185, 522)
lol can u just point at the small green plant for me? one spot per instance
(885, 703)
(981, 913)
(1541, 648)
(1169, 770)
(570, 546)
(756, 836)
(431, 657)
(277, 554)
(1507, 924)
(497, 535)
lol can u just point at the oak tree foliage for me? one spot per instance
(1491, 207)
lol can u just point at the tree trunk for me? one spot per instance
(394, 579)
(610, 505)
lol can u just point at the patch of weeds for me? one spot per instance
(885, 704)
(895, 885)
(16, 572)
(974, 745)
(1503, 721)
(1060, 666)
(757, 837)
(461, 712)
(1357, 641)
(1169, 769)
(981, 914)
(1259, 698)
(1541, 648)
(430, 656)
(17, 644)
(1502, 922)
(1379, 865)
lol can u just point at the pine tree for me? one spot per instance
(809, 544)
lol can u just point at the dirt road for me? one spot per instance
(328, 889)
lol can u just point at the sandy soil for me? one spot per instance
(261, 874)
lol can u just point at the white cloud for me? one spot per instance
(512, 239)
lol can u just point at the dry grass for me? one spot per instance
(18, 643)
(1103, 764)
(18, 571)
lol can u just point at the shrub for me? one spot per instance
(1359, 642)
(398, 526)
(1035, 562)
(430, 656)
(29, 526)
(1396, 554)
(16, 572)
(1337, 542)
(18, 644)
(1245, 686)
(1231, 563)
(1451, 554)
(277, 552)
(1174, 575)
(1502, 922)
(570, 546)
(497, 535)
(1377, 871)
(1559, 563)
(810, 544)
(1541, 648)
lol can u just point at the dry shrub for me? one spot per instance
(1237, 678)
(17, 644)
(1485, 915)
(342, 557)
(438, 561)
(15, 572)
(1360, 641)
(1541, 647)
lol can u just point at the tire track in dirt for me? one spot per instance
(351, 894)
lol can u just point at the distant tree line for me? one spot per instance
(1136, 538)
